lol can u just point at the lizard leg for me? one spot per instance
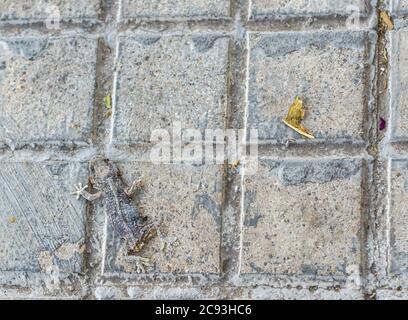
(91, 197)
(80, 192)
(148, 230)
(136, 186)
(144, 233)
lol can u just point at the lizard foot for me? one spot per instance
(79, 190)
(136, 186)
(141, 263)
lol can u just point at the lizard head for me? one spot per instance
(101, 169)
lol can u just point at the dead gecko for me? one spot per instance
(122, 213)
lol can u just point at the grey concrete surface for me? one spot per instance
(320, 219)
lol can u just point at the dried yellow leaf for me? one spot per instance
(386, 20)
(294, 118)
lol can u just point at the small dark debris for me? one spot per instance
(383, 124)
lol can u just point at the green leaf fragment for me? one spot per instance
(108, 102)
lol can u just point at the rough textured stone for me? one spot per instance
(42, 226)
(286, 65)
(191, 9)
(398, 218)
(167, 79)
(399, 6)
(296, 219)
(262, 8)
(399, 83)
(185, 201)
(322, 219)
(39, 10)
(46, 90)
